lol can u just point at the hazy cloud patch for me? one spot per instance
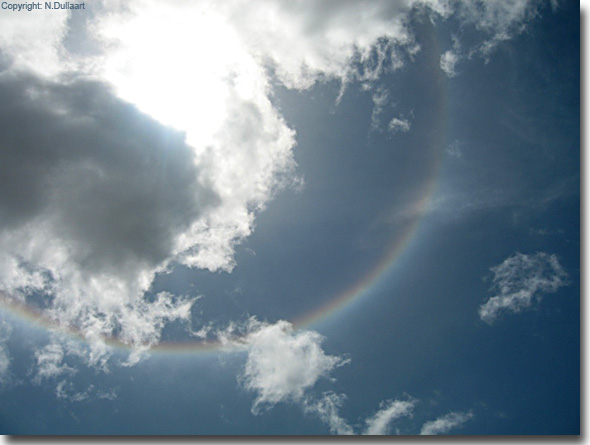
(519, 281)
(5, 331)
(396, 125)
(50, 363)
(380, 422)
(327, 407)
(445, 423)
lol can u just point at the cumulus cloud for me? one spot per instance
(306, 42)
(446, 423)
(519, 281)
(448, 62)
(397, 124)
(380, 422)
(282, 363)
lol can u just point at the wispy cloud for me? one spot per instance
(446, 423)
(50, 363)
(380, 422)
(396, 124)
(381, 101)
(494, 22)
(65, 390)
(448, 63)
(327, 407)
(454, 149)
(519, 281)
(5, 331)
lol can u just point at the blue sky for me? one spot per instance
(302, 218)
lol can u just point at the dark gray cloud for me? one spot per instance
(95, 198)
(110, 181)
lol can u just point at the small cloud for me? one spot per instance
(5, 330)
(50, 363)
(391, 410)
(327, 408)
(380, 101)
(396, 125)
(521, 279)
(65, 390)
(448, 63)
(546, 232)
(445, 423)
(454, 149)
(110, 394)
(283, 363)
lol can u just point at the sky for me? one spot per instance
(290, 218)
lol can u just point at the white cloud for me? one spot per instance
(494, 22)
(397, 124)
(65, 390)
(305, 42)
(56, 364)
(445, 423)
(380, 422)
(32, 40)
(50, 363)
(519, 281)
(327, 408)
(498, 21)
(448, 63)
(282, 363)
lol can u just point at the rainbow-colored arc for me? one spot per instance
(362, 288)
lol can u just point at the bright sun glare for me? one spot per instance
(178, 67)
